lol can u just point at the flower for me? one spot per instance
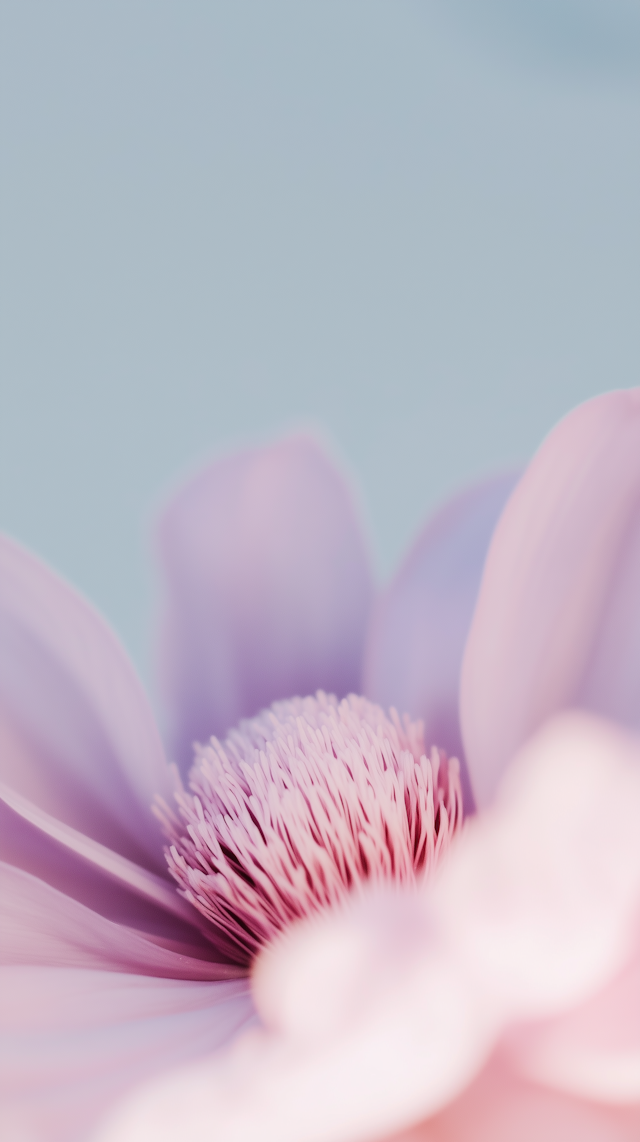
(108, 975)
(481, 1005)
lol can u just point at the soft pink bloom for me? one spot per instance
(502, 1000)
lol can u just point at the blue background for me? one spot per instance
(413, 226)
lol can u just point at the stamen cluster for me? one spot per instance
(301, 804)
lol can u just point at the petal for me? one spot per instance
(591, 1052)
(76, 1040)
(541, 893)
(501, 1106)
(420, 623)
(268, 589)
(77, 736)
(410, 1040)
(106, 882)
(557, 622)
(43, 926)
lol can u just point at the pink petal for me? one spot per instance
(42, 926)
(106, 882)
(591, 1052)
(400, 1037)
(76, 1040)
(268, 589)
(77, 734)
(420, 624)
(541, 894)
(558, 615)
(501, 1106)
(381, 1026)
(284, 1094)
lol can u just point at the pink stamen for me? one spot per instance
(301, 804)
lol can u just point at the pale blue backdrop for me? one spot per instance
(413, 225)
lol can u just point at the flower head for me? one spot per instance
(498, 995)
(301, 805)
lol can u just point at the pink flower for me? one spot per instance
(499, 1001)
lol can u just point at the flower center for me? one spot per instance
(301, 804)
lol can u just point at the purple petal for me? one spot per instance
(43, 926)
(558, 617)
(76, 1040)
(78, 736)
(268, 589)
(420, 623)
(106, 882)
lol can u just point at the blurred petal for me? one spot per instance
(286, 1089)
(42, 926)
(594, 1051)
(77, 736)
(420, 624)
(268, 589)
(501, 1106)
(557, 622)
(73, 1041)
(540, 896)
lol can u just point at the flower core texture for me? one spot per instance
(300, 805)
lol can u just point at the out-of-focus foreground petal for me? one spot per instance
(77, 735)
(268, 589)
(420, 623)
(502, 1106)
(76, 1040)
(594, 1051)
(384, 1013)
(541, 895)
(557, 621)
